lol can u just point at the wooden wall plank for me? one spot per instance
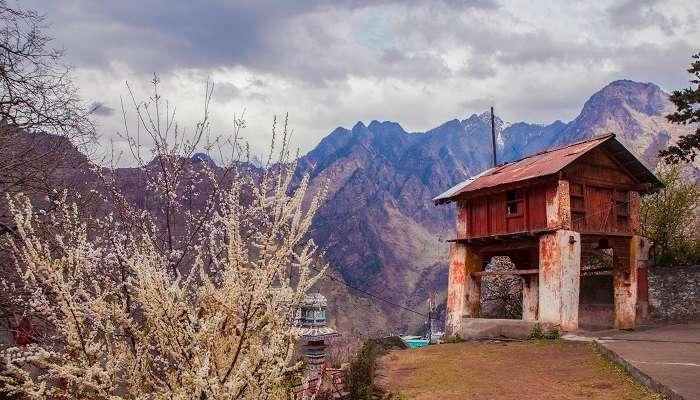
(497, 213)
(536, 207)
(479, 217)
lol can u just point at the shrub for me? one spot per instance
(538, 334)
(552, 334)
(360, 375)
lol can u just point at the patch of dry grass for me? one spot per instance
(521, 370)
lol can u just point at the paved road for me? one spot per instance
(667, 358)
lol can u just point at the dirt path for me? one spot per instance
(521, 370)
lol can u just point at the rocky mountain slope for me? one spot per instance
(380, 229)
(382, 234)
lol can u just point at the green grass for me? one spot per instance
(538, 334)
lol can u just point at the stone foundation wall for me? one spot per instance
(674, 293)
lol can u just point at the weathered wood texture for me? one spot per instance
(506, 272)
(531, 295)
(603, 195)
(594, 194)
(506, 211)
(551, 224)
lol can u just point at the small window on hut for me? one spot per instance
(513, 197)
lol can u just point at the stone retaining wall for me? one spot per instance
(674, 292)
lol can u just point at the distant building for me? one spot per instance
(551, 213)
(312, 327)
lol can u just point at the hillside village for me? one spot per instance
(151, 251)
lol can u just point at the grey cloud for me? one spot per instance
(162, 36)
(392, 55)
(259, 96)
(480, 103)
(482, 4)
(315, 47)
(101, 109)
(663, 65)
(490, 45)
(256, 82)
(225, 91)
(480, 69)
(541, 47)
(638, 14)
(300, 40)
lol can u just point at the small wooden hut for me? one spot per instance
(550, 213)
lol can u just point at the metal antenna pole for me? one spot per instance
(430, 319)
(493, 137)
(432, 307)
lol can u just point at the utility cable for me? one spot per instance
(374, 296)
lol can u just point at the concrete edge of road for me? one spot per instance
(636, 373)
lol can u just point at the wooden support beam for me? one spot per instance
(507, 247)
(504, 237)
(506, 272)
(600, 233)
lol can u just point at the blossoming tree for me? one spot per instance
(163, 299)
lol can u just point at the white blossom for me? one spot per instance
(125, 317)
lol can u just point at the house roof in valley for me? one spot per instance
(550, 162)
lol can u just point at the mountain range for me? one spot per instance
(379, 228)
(384, 238)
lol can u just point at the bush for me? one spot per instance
(552, 334)
(360, 375)
(538, 334)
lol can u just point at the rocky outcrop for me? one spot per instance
(633, 110)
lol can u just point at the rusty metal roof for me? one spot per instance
(547, 163)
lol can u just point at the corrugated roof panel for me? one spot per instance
(455, 189)
(538, 165)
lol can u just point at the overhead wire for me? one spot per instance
(375, 155)
(372, 295)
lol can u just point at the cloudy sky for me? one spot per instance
(332, 64)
